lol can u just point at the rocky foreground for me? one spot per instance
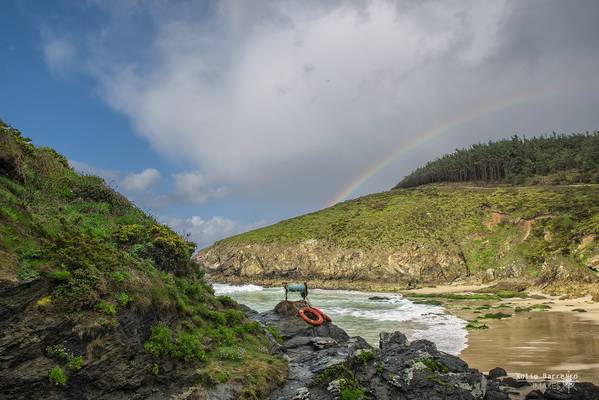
(325, 363)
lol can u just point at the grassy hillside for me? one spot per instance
(98, 299)
(556, 159)
(498, 228)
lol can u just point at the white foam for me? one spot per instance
(223, 288)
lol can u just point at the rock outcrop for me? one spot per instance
(326, 364)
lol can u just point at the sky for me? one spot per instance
(222, 116)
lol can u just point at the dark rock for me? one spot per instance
(514, 383)
(579, 391)
(391, 340)
(535, 395)
(497, 372)
(379, 298)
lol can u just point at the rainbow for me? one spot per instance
(438, 130)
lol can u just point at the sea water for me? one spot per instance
(359, 315)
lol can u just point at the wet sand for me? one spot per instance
(537, 343)
(554, 341)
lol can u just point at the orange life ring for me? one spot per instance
(324, 316)
(306, 312)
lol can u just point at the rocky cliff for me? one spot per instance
(427, 235)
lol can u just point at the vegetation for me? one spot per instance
(555, 159)
(476, 325)
(101, 259)
(500, 228)
(57, 376)
(498, 315)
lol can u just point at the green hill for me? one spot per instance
(98, 300)
(543, 235)
(556, 159)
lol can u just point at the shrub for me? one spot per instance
(160, 341)
(123, 299)
(44, 301)
(106, 307)
(226, 301)
(60, 275)
(27, 272)
(188, 347)
(57, 376)
(74, 363)
(233, 317)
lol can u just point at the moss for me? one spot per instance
(274, 331)
(351, 393)
(439, 381)
(474, 325)
(57, 376)
(364, 357)
(435, 365)
(498, 315)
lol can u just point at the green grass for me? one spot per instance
(450, 218)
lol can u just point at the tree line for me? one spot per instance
(560, 158)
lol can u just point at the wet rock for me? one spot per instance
(392, 340)
(579, 391)
(302, 394)
(535, 395)
(379, 298)
(514, 383)
(323, 342)
(497, 372)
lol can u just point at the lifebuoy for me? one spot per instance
(324, 316)
(311, 316)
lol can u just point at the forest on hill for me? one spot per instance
(554, 159)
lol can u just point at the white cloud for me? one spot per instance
(141, 181)
(206, 231)
(193, 187)
(292, 100)
(59, 54)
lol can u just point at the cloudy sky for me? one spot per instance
(221, 116)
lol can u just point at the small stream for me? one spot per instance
(360, 316)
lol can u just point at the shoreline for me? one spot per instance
(510, 340)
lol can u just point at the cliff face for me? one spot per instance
(429, 235)
(331, 266)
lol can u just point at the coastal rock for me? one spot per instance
(497, 372)
(325, 362)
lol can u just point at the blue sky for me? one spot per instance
(220, 116)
